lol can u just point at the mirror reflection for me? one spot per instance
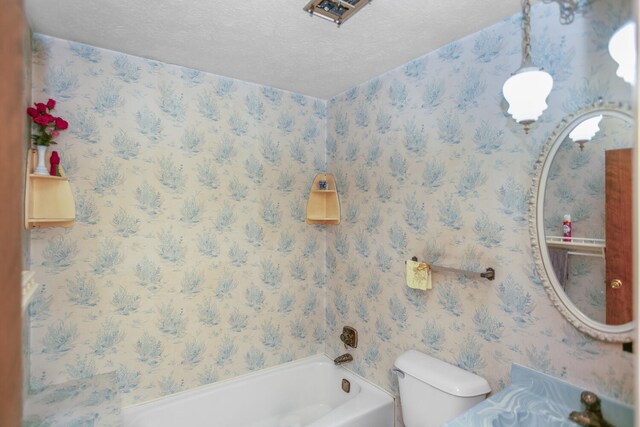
(588, 217)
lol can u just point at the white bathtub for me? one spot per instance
(304, 393)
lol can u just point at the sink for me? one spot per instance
(535, 399)
(528, 419)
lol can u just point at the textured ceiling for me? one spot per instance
(273, 43)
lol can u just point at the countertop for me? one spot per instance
(535, 399)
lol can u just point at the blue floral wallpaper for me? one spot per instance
(191, 262)
(428, 164)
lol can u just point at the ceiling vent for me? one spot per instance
(336, 11)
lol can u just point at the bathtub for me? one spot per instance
(304, 393)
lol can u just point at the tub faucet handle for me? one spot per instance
(349, 337)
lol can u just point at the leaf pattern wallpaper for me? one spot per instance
(190, 261)
(428, 164)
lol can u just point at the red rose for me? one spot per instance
(61, 124)
(51, 104)
(44, 119)
(41, 107)
(41, 120)
(32, 112)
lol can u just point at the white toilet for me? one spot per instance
(433, 392)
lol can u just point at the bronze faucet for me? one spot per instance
(592, 415)
(344, 358)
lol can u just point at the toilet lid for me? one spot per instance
(442, 375)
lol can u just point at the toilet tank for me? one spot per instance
(433, 392)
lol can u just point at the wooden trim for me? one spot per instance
(12, 168)
(618, 229)
(636, 228)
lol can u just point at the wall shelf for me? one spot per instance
(323, 218)
(34, 176)
(323, 206)
(578, 245)
(48, 199)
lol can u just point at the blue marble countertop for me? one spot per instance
(537, 399)
(87, 402)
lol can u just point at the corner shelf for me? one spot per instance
(323, 206)
(48, 199)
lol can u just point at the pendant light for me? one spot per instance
(527, 89)
(622, 48)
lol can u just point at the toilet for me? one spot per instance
(433, 392)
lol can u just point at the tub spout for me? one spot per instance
(343, 358)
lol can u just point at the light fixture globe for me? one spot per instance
(526, 91)
(622, 48)
(585, 131)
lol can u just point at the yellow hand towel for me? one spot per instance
(418, 275)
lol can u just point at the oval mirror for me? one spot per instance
(581, 220)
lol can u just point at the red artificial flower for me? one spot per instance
(47, 126)
(61, 124)
(32, 112)
(44, 119)
(41, 120)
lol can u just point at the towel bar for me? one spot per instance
(489, 273)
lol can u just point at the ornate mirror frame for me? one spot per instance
(600, 331)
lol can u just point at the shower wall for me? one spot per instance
(429, 165)
(190, 261)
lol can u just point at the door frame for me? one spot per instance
(12, 166)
